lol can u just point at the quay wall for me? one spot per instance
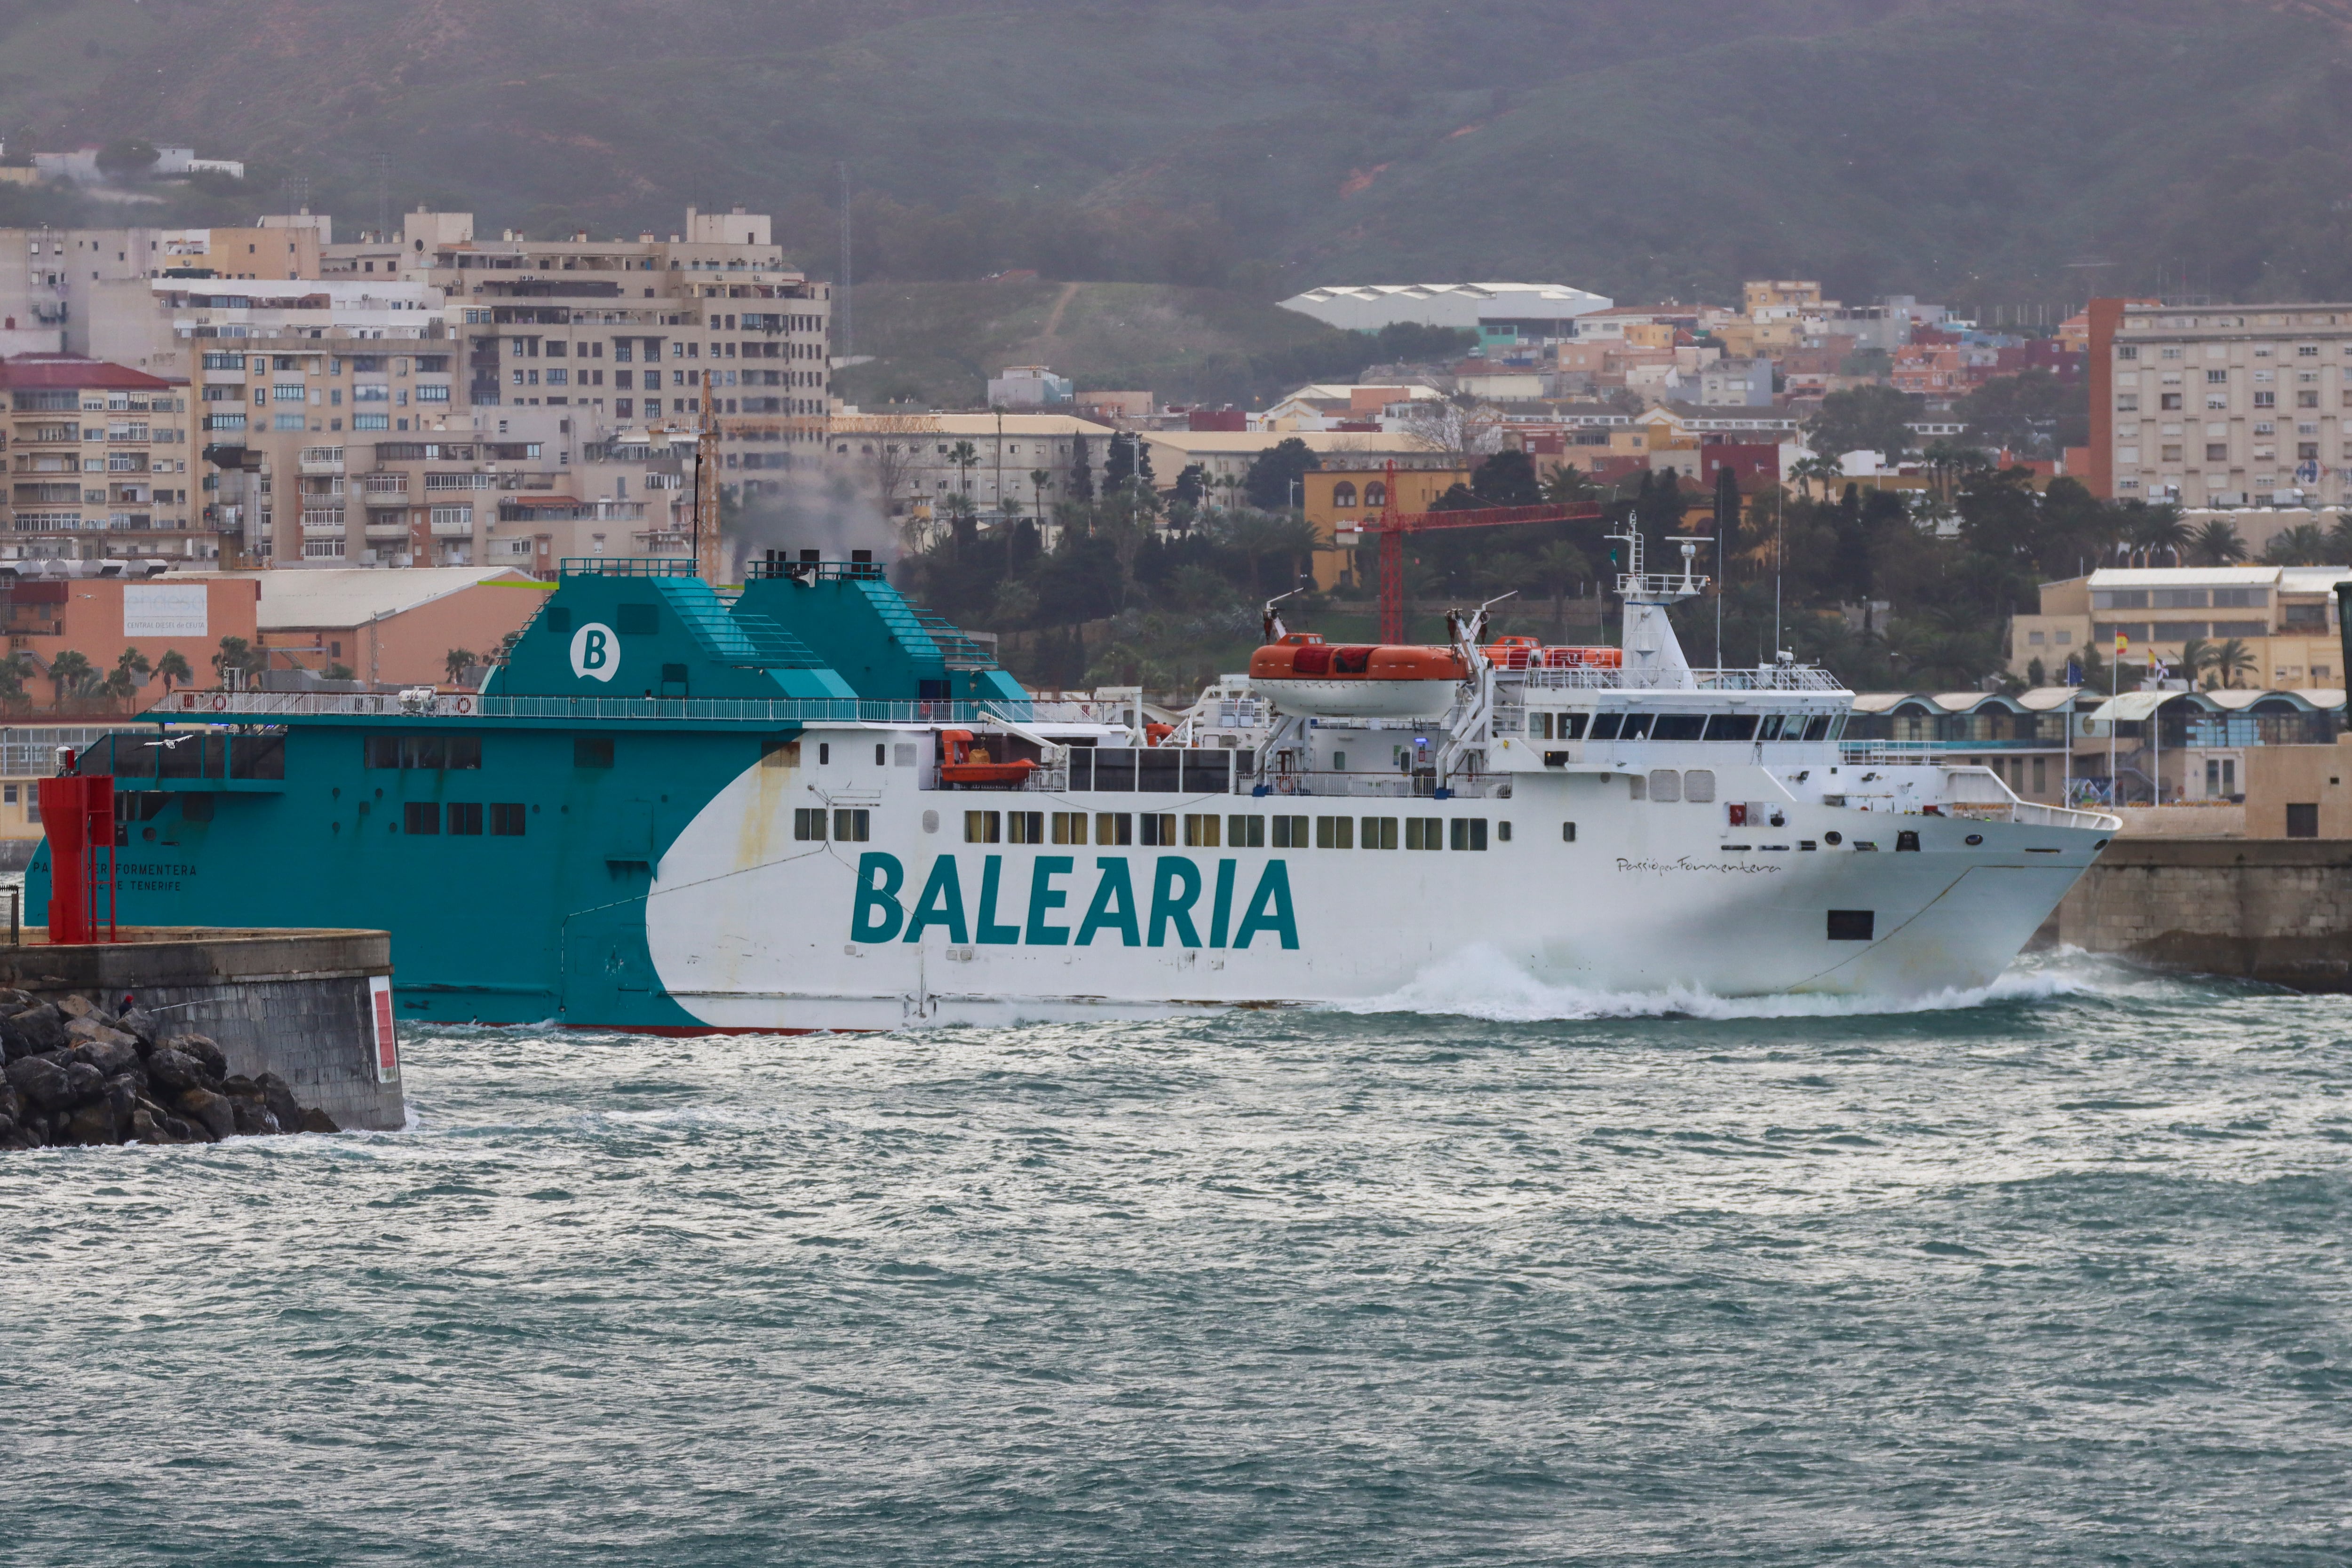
(297, 1003)
(2278, 910)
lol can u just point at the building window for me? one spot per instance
(2262, 399)
(2172, 400)
(2171, 454)
(2217, 452)
(1343, 494)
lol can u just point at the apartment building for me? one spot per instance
(430, 397)
(1019, 464)
(97, 459)
(2221, 406)
(2284, 617)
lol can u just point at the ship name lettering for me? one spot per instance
(1684, 862)
(1172, 915)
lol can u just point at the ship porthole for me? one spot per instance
(1832, 837)
(930, 822)
(1973, 839)
(2100, 845)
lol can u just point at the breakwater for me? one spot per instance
(76, 1073)
(2278, 910)
(311, 1007)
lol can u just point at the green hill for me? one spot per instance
(1979, 151)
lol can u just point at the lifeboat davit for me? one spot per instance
(1303, 674)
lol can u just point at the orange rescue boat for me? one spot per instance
(1303, 674)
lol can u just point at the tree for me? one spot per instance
(1460, 427)
(1268, 485)
(1805, 470)
(127, 159)
(1567, 485)
(966, 457)
(1040, 480)
(2196, 655)
(456, 661)
(2230, 660)
(1128, 466)
(121, 683)
(340, 672)
(2160, 531)
(2032, 413)
(2305, 544)
(173, 666)
(2216, 543)
(72, 674)
(1082, 471)
(1864, 419)
(2036, 673)
(237, 654)
(1507, 479)
(14, 668)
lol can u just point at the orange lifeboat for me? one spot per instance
(964, 761)
(1306, 674)
(1583, 658)
(1514, 653)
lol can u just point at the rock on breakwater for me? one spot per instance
(76, 1073)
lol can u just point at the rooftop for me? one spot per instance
(63, 372)
(347, 596)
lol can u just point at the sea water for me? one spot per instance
(1492, 1274)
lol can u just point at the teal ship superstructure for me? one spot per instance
(509, 840)
(806, 804)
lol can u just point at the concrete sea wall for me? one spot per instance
(2278, 910)
(300, 1004)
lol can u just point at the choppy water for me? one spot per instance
(2058, 1275)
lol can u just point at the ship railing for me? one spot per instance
(1418, 785)
(1763, 678)
(240, 707)
(2032, 813)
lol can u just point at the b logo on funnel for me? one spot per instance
(595, 653)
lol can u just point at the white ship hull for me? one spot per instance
(750, 928)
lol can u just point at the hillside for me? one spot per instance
(937, 343)
(1980, 151)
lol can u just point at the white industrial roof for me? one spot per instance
(347, 596)
(2185, 576)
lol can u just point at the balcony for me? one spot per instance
(386, 484)
(67, 494)
(320, 460)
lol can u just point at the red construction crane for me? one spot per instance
(1391, 526)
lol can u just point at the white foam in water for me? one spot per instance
(1479, 982)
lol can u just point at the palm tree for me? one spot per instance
(2195, 657)
(2339, 538)
(14, 668)
(2305, 544)
(1806, 470)
(1566, 487)
(456, 661)
(2159, 530)
(2216, 543)
(72, 674)
(2232, 659)
(1231, 484)
(966, 457)
(173, 666)
(1040, 481)
(122, 684)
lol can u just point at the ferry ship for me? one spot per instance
(805, 804)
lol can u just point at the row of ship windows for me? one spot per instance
(1209, 830)
(1686, 726)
